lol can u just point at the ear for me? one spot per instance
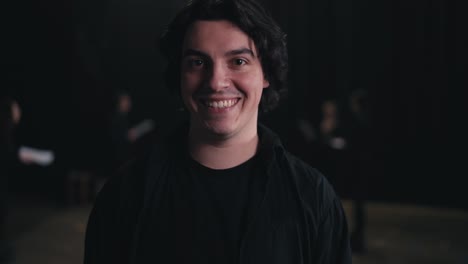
(266, 83)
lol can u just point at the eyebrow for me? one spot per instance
(193, 52)
(241, 51)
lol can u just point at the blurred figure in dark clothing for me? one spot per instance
(119, 138)
(342, 151)
(331, 128)
(10, 116)
(330, 148)
(358, 133)
(120, 133)
(116, 147)
(125, 137)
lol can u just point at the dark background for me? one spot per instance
(63, 59)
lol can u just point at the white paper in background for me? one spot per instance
(143, 127)
(39, 156)
(338, 143)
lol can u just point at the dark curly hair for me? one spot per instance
(252, 19)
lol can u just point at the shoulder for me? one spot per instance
(324, 212)
(313, 188)
(126, 187)
(303, 172)
(122, 191)
(125, 184)
(308, 179)
(114, 216)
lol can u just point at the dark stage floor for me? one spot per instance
(44, 233)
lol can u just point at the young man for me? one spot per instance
(221, 189)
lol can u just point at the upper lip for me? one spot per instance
(216, 98)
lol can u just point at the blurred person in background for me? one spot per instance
(344, 154)
(331, 147)
(124, 137)
(121, 135)
(358, 138)
(341, 149)
(10, 158)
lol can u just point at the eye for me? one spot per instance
(239, 62)
(193, 63)
(196, 62)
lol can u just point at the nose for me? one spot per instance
(218, 77)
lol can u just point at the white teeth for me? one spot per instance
(221, 104)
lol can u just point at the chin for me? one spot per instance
(221, 130)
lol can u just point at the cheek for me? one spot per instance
(188, 86)
(189, 83)
(186, 95)
(254, 84)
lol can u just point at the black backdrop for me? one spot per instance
(62, 59)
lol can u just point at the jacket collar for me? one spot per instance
(270, 146)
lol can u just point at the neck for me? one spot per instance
(223, 153)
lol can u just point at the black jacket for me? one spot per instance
(300, 218)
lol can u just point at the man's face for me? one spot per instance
(125, 104)
(221, 79)
(16, 112)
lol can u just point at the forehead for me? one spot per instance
(206, 35)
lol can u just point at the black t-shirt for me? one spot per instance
(221, 204)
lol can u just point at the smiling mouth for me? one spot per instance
(220, 104)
